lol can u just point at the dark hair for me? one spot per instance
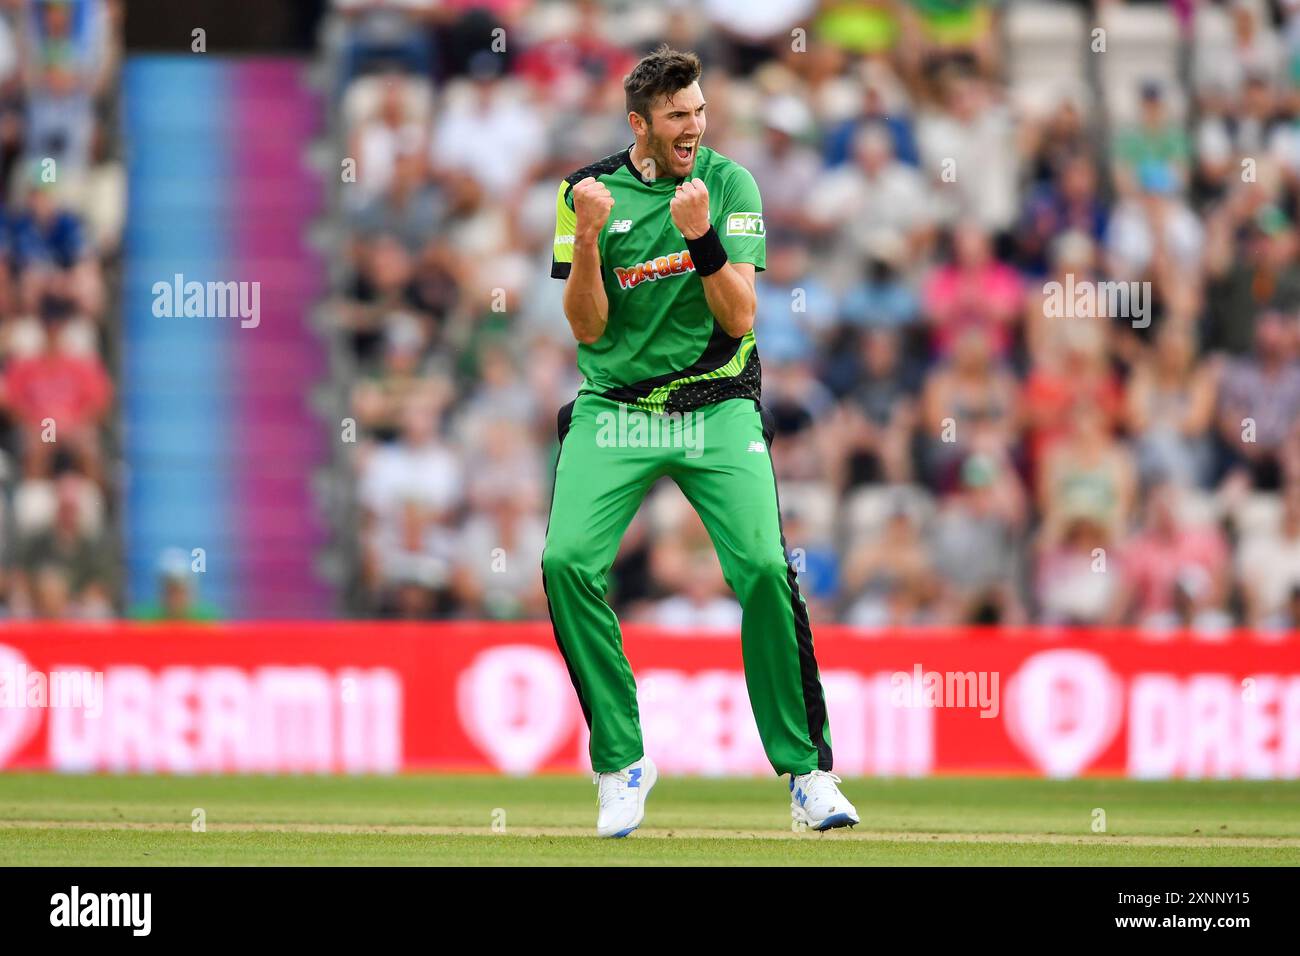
(661, 73)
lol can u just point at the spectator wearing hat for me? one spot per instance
(1155, 148)
(177, 598)
(1251, 264)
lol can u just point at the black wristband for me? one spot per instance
(707, 253)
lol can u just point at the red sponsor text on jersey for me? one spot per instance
(678, 263)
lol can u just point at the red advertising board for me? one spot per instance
(383, 698)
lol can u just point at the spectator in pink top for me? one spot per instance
(58, 397)
(974, 289)
(1165, 558)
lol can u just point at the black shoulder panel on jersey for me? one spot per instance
(601, 167)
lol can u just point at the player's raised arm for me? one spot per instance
(585, 304)
(728, 284)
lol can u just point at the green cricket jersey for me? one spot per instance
(663, 350)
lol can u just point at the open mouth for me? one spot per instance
(684, 151)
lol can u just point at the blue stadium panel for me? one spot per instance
(176, 393)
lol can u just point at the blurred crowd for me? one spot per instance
(973, 426)
(62, 202)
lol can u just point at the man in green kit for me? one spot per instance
(658, 246)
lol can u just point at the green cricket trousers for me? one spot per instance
(610, 456)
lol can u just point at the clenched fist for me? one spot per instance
(690, 208)
(592, 202)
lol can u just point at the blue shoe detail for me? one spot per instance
(635, 777)
(623, 833)
(836, 820)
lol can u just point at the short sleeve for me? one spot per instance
(566, 222)
(740, 223)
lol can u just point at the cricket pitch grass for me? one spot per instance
(468, 820)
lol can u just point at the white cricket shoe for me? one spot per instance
(816, 800)
(622, 797)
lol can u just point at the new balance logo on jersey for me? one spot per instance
(757, 447)
(679, 263)
(620, 225)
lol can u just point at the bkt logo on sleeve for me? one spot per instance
(746, 224)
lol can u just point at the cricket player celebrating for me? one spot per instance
(658, 246)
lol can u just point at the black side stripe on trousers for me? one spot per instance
(562, 422)
(814, 703)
